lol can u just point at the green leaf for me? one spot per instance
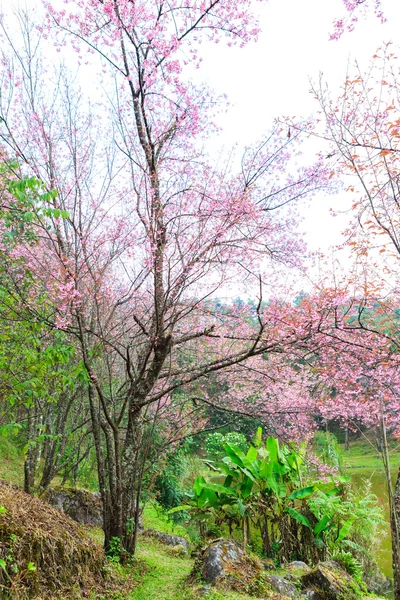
(299, 517)
(252, 454)
(197, 487)
(31, 566)
(3, 509)
(258, 438)
(2, 564)
(321, 525)
(272, 446)
(345, 530)
(302, 493)
(216, 487)
(246, 487)
(180, 508)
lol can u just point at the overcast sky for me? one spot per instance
(271, 78)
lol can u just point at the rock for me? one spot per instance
(219, 560)
(377, 582)
(168, 539)
(330, 582)
(283, 586)
(298, 565)
(268, 564)
(295, 570)
(205, 590)
(310, 594)
(82, 506)
(224, 563)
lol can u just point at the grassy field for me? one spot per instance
(11, 462)
(363, 455)
(165, 576)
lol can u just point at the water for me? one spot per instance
(383, 552)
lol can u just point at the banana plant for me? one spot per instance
(262, 486)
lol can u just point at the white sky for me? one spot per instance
(270, 78)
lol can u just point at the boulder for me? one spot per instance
(224, 563)
(168, 539)
(295, 570)
(82, 506)
(219, 560)
(330, 582)
(283, 586)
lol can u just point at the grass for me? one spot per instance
(165, 577)
(11, 462)
(160, 573)
(363, 455)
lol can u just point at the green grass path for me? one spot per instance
(165, 574)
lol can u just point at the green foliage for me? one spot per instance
(357, 519)
(327, 448)
(215, 442)
(350, 564)
(263, 485)
(114, 550)
(30, 203)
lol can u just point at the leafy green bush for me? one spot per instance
(215, 443)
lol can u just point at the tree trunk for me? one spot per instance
(30, 460)
(396, 511)
(394, 503)
(346, 438)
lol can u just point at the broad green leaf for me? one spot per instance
(299, 517)
(197, 487)
(246, 487)
(252, 454)
(302, 493)
(345, 530)
(258, 438)
(216, 487)
(272, 445)
(322, 524)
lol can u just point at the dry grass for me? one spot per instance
(45, 554)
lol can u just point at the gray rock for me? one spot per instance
(268, 564)
(310, 594)
(295, 570)
(204, 590)
(298, 564)
(331, 582)
(283, 586)
(168, 539)
(218, 560)
(82, 506)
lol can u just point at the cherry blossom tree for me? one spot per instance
(362, 129)
(145, 228)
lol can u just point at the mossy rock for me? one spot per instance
(82, 506)
(331, 582)
(44, 553)
(225, 564)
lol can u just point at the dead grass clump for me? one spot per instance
(44, 553)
